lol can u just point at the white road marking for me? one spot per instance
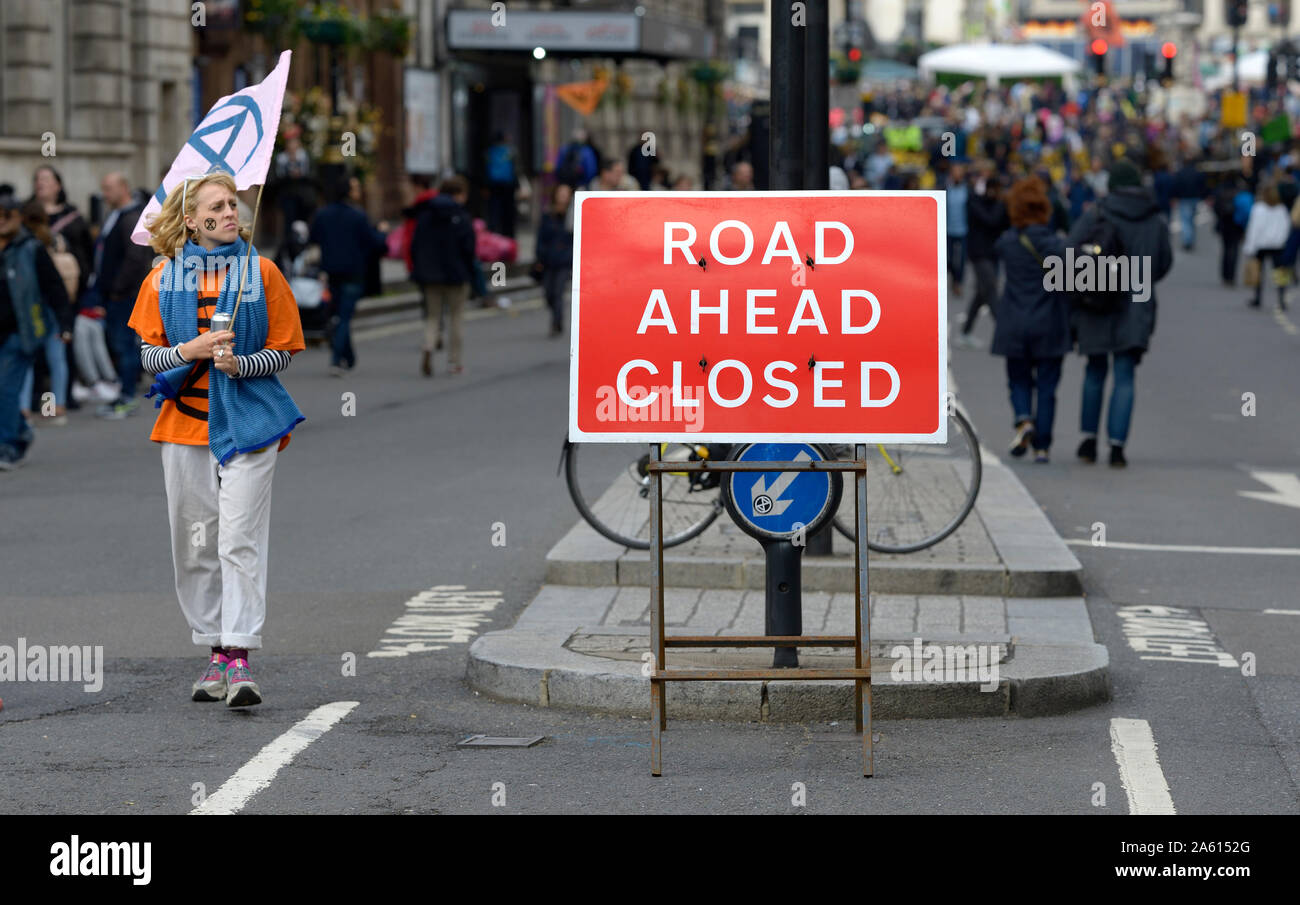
(1185, 548)
(1139, 768)
(1170, 633)
(1285, 322)
(1282, 612)
(444, 614)
(257, 774)
(1285, 492)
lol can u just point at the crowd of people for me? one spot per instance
(1028, 169)
(1031, 170)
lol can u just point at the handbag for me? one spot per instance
(1250, 273)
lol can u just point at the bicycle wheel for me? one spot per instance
(610, 487)
(917, 494)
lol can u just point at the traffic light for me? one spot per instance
(1236, 12)
(1169, 50)
(1099, 48)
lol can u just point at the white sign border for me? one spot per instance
(940, 436)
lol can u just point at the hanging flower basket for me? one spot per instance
(710, 72)
(388, 31)
(331, 24)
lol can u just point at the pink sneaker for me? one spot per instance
(241, 690)
(211, 686)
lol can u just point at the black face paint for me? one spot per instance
(209, 224)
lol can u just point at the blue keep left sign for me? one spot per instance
(777, 504)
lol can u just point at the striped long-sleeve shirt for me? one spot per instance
(157, 359)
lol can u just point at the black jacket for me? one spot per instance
(1032, 322)
(77, 236)
(1143, 231)
(123, 265)
(1188, 183)
(987, 218)
(554, 243)
(442, 245)
(346, 239)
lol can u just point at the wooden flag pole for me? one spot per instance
(243, 274)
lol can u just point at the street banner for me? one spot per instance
(759, 317)
(237, 136)
(1233, 114)
(582, 96)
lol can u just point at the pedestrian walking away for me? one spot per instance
(1188, 188)
(120, 266)
(347, 242)
(33, 301)
(1266, 235)
(502, 185)
(988, 221)
(1122, 335)
(223, 419)
(554, 256)
(54, 347)
(1033, 323)
(443, 261)
(958, 195)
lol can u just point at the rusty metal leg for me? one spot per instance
(861, 580)
(656, 727)
(658, 689)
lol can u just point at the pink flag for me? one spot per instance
(237, 136)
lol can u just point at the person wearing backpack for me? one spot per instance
(1118, 327)
(1033, 326)
(502, 185)
(1266, 235)
(576, 164)
(120, 266)
(32, 304)
(1226, 225)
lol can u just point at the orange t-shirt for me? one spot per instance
(185, 419)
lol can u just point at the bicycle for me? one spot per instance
(920, 496)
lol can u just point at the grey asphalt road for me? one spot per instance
(410, 492)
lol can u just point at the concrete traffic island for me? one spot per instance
(987, 623)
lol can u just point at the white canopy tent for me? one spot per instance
(1252, 69)
(997, 61)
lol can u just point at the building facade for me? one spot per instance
(91, 86)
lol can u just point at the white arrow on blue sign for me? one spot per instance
(778, 503)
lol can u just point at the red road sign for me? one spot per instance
(759, 316)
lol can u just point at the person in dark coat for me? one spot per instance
(1188, 189)
(987, 219)
(1033, 323)
(1226, 225)
(1125, 335)
(555, 254)
(442, 264)
(347, 241)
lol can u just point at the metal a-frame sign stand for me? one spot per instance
(860, 641)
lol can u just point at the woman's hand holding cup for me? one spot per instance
(205, 345)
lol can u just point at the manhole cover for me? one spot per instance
(488, 741)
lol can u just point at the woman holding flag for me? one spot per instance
(223, 416)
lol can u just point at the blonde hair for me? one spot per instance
(167, 228)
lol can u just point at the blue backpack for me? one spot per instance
(501, 165)
(1241, 206)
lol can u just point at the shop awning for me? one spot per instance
(574, 33)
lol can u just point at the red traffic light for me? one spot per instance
(855, 54)
(1099, 47)
(1169, 50)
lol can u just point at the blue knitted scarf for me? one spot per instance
(244, 413)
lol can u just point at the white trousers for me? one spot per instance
(220, 521)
